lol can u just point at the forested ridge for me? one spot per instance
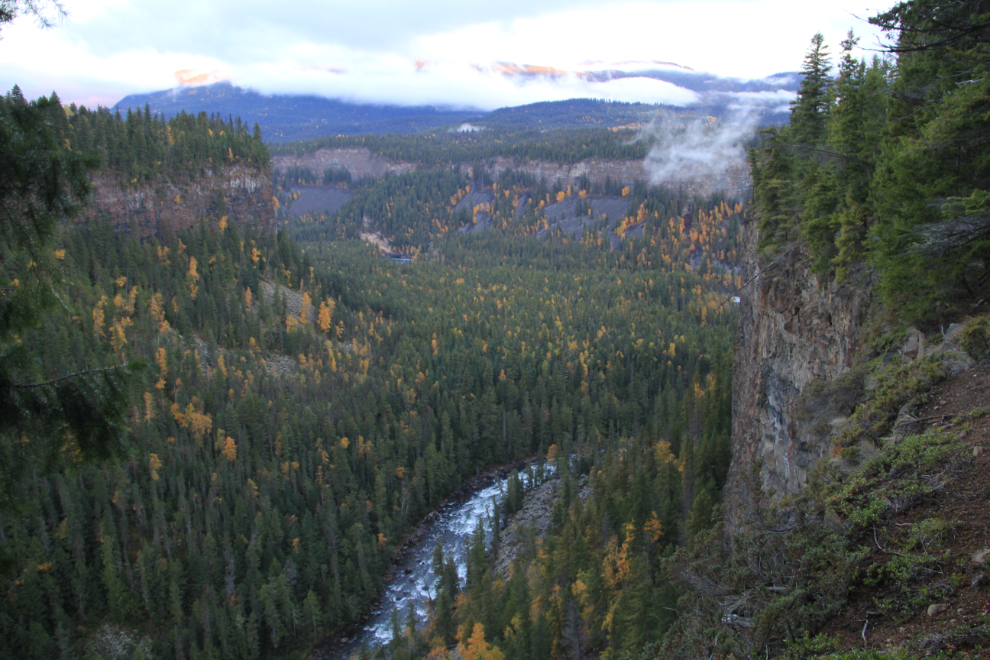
(442, 148)
(883, 165)
(141, 147)
(304, 404)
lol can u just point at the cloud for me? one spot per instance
(400, 52)
(701, 149)
(194, 77)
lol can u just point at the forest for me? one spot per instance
(296, 403)
(882, 165)
(303, 402)
(440, 148)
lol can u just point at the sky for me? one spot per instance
(441, 52)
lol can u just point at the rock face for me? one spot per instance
(792, 331)
(243, 194)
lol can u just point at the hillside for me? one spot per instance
(288, 118)
(291, 410)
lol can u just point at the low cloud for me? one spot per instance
(703, 149)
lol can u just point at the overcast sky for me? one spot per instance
(398, 51)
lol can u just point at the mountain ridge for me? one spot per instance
(286, 118)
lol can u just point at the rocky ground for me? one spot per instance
(948, 607)
(562, 214)
(532, 521)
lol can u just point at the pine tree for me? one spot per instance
(809, 110)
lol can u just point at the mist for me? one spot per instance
(699, 150)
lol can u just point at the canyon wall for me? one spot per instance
(243, 194)
(793, 330)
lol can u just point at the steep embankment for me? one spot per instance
(904, 430)
(242, 193)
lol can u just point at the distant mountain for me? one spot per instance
(288, 118)
(285, 118)
(590, 113)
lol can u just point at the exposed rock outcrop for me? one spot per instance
(244, 194)
(793, 330)
(532, 522)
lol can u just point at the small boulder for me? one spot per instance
(914, 345)
(954, 357)
(954, 331)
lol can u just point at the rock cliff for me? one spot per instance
(794, 331)
(243, 194)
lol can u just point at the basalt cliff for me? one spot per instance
(243, 194)
(795, 332)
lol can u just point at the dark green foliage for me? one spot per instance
(45, 412)
(143, 147)
(443, 148)
(886, 164)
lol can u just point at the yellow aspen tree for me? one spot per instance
(154, 464)
(477, 648)
(98, 316)
(149, 410)
(307, 302)
(230, 449)
(325, 316)
(192, 278)
(157, 309)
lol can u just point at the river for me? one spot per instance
(414, 580)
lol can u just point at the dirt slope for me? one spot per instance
(949, 606)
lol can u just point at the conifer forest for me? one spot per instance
(216, 436)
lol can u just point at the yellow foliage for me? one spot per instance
(653, 527)
(162, 361)
(477, 648)
(230, 449)
(307, 302)
(325, 317)
(178, 415)
(98, 316)
(149, 411)
(154, 464)
(157, 309)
